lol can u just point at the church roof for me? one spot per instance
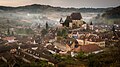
(68, 19)
(76, 16)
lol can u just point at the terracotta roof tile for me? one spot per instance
(9, 38)
(88, 48)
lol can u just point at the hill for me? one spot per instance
(41, 8)
(113, 13)
(110, 16)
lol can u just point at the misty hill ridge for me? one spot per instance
(113, 13)
(39, 8)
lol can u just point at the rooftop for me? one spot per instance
(9, 38)
(76, 16)
(88, 48)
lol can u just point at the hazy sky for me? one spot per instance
(63, 3)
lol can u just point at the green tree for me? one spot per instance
(47, 26)
(80, 55)
(62, 32)
(57, 57)
(29, 31)
(8, 32)
(59, 33)
(44, 32)
(12, 33)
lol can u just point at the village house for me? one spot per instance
(10, 39)
(74, 34)
(2, 41)
(88, 49)
(28, 40)
(88, 38)
(87, 26)
(74, 47)
(91, 39)
(13, 50)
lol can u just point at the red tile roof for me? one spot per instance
(9, 38)
(87, 48)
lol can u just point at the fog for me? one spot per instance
(52, 18)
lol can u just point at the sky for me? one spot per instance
(64, 3)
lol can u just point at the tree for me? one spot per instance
(29, 31)
(39, 26)
(47, 26)
(80, 55)
(12, 33)
(62, 32)
(59, 33)
(44, 32)
(113, 28)
(8, 32)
